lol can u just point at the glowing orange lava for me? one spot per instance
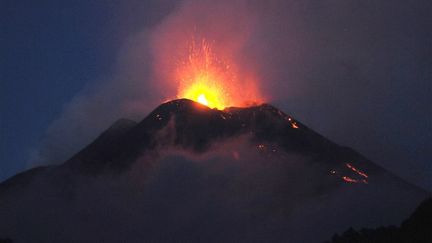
(202, 99)
(362, 179)
(207, 79)
(348, 179)
(359, 172)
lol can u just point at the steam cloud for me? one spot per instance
(355, 71)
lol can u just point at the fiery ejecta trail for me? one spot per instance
(204, 77)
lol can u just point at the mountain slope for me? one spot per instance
(195, 127)
(190, 173)
(414, 229)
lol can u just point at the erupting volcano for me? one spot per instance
(200, 121)
(213, 81)
(189, 172)
(212, 166)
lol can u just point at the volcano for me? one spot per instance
(190, 173)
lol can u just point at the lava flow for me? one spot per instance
(362, 177)
(210, 80)
(359, 172)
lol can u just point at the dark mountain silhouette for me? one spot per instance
(190, 173)
(197, 127)
(417, 228)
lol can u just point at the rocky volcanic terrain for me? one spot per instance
(189, 173)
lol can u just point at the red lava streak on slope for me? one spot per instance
(362, 174)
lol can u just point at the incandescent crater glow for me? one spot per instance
(203, 77)
(202, 99)
(208, 76)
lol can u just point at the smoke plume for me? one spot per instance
(358, 72)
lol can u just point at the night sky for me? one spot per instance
(358, 72)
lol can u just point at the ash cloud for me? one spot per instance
(358, 72)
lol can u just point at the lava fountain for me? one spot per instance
(212, 81)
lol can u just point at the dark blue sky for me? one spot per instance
(52, 50)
